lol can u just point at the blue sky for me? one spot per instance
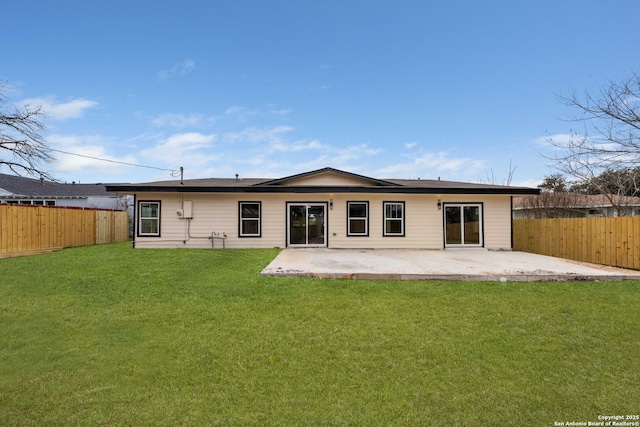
(390, 89)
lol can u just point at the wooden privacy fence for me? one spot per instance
(609, 241)
(33, 228)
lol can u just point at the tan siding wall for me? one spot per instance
(328, 179)
(423, 222)
(219, 213)
(497, 222)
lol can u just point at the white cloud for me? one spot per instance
(531, 183)
(270, 142)
(180, 68)
(190, 149)
(319, 88)
(183, 142)
(297, 146)
(235, 113)
(354, 152)
(181, 120)
(568, 140)
(257, 135)
(603, 151)
(560, 138)
(89, 156)
(352, 158)
(73, 109)
(234, 110)
(280, 113)
(241, 114)
(431, 165)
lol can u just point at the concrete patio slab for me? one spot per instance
(450, 264)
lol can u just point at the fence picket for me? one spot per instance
(611, 241)
(29, 228)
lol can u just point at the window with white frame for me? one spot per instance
(357, 218)
(250, 224)
(149, 218)
(393, 219)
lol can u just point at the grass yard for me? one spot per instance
(108, 335)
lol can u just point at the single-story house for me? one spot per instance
(18, 190)
(322, 208)
(574, 205)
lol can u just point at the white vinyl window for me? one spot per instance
(250, 224)
(357, 218)
(149, 219)
(393, 219)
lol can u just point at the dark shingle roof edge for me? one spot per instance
(270, 185)
(30, 187)
(257, 185)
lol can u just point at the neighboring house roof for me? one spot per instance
(352, 183)
(577, 201)
(21, 187)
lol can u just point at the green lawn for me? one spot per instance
(108, 335)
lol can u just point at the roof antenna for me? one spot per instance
(181, 175)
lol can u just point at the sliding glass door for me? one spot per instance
(306, 224)
(463, 225)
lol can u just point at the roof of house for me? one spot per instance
(357, 183)
(18, 186)
(576, 200)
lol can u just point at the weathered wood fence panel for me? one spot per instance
(610, 241)
(29, 228)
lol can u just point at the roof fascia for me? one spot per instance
(316, 190)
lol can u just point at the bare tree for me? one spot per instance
(608, 138)
(23, 149)
(551, 204)
(623, 182)
(492, 180)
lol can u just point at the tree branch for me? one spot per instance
(23, 149)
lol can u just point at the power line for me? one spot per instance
(113, 161)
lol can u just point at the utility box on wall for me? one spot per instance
(187, 210)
